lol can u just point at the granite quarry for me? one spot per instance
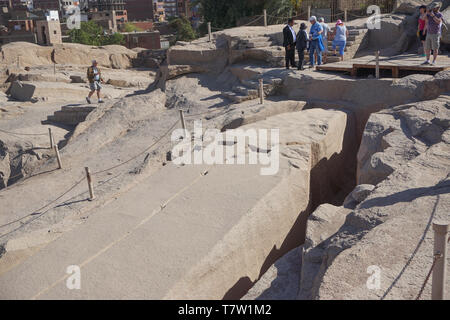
(364, 167)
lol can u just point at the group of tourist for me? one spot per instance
(429, 30)
(315, 41)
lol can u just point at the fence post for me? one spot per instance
(90, 186)
(261, 91)
(265, 18)
(209, 32)
(50, 137)
(309, 12)
(183, 124)
(345, 14)
(377, 64)
(168, 57)
(58, 157)
(440, 269)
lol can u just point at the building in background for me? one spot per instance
(48, 30)
(107, 5)
(106, 19)
(184, 8)
(18, 25)
(158, 11)
(147, 40)
(171, 8)
(47, 5)
(139, 10)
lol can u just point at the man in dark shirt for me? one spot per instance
(302, 45)
(289, 40)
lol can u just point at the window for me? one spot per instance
(54, 31)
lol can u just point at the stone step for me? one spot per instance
(71, 115)
(236, 97)
(259, 44)
(349, 42)
(77, 108)
(245, 91)
(332, 59)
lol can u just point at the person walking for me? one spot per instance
(326, 30)
(315, 44)
(94, 76)
(340, 35)
(289, 40)
(302, 45)
(421, 30)
(433, 26)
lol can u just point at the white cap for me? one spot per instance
(313, 18)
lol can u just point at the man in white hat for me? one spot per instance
(95, 78)
(315, 38)
(433, 25)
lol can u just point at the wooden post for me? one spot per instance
(183, 124)
(261, 91)
(345, 14)
(50, 137)
(265, 18)
(58, 157)
(209, 32)
(377, 64)
(90, 185)
(440, 269)
(309, 12)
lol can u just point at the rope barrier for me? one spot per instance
(79, 181)
(251, 22)
(37, 211)
(437, 256)
(23, 134)
(422, 239)
(140, 153)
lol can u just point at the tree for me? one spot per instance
(91, 33)
(279, 10)
(183, 29)
(225, 14)
(296, 5)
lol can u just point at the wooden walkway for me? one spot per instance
(408, 63)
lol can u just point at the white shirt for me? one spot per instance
(96, 75)
(293, 33)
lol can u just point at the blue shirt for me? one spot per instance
(341, 33)
(315, 29)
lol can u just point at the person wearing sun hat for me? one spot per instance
(340, 35)
(433, 27)
(302, 44)
(94, 76)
